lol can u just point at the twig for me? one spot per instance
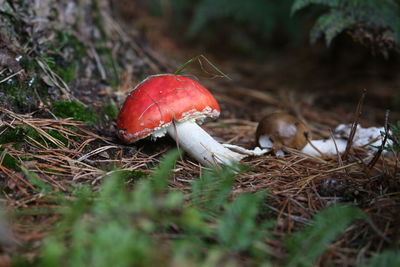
(354, 125)
(378, 153)
(12, 75)
(337, 150)
(293, 217)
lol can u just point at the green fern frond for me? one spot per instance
(330, 25)
(238, 227)
(370, 22)
(300, 4)
(253, 13)
(212, 189)
(307, 245)
(388, 258)
(163, 172)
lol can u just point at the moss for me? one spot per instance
(18, 94)
(29, 64)
(67, 70)
(9, 161)
(128, 175)
(107, 59)
(58, 136)
(66, 38)
(111, 111)
(125, 175)
(65, 55)
(110, 65)
(74, 110)
(13, 135)
(21, 132)
(32, 133)
(21, 93)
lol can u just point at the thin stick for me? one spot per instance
(354, 125)
(199, 58)
(382, 147)
(337, 150)
(9, 77)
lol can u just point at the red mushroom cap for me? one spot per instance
(160, 99)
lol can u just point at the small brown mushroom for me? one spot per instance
(279, 130)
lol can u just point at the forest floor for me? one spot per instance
(322, 86)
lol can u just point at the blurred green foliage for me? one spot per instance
(152, 226)
(328, 224)
(242, 26)
(249, 26)
(388, 258)
(394, 137)
(145, 223)
(370, 22)
(21, 133)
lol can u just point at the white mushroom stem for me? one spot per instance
(200, 145)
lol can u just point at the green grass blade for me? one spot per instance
(237, 227)
(163, 172)
(388, 258)
(199, 58)
(307, 245)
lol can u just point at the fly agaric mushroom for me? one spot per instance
(278, 130)
(173, 103)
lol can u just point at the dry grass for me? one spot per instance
(297, 185)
